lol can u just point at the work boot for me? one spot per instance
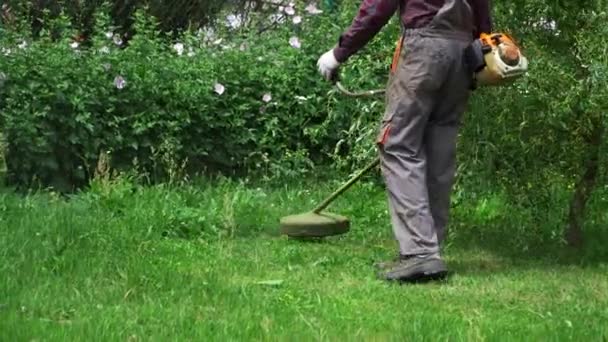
(413, 268)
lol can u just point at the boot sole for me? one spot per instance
(423, 272)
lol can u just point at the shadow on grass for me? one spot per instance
(498, 252)
(518, 249)
(273, 231)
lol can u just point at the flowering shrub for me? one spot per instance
(228, 99)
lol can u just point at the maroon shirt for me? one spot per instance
(374, 14)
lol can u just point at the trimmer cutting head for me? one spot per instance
(316, 223)
(313, 225)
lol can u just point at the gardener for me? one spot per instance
(426, 95)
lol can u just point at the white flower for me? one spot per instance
(208, 34)
(74, 45)
(267, 97)
(109, 35)
(117, 40)
(297, 19)
(233, 21)
(191, 52)
(104, 49)
(549, 25)
(295, 42)
(312, 9)
(219, 88)
(6, 51)
(119, 82)
(277, 18)
(179, 48)
(22, 45)
(290, 11)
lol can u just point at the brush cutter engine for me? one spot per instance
(495, 60)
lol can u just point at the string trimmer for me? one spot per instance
(316, 223)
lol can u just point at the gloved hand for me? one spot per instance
(328, 65)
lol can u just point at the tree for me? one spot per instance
(567, 39)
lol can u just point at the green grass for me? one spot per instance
(204, 262)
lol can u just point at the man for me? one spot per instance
(427, 93)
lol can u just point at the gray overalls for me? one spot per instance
(425, 98)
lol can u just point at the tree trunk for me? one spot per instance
(584, 187)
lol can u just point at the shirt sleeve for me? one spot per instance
(483, 17)
(372, 16)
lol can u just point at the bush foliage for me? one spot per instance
(214, 101)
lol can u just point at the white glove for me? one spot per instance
(328, 65)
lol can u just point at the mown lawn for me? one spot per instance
(204, 262)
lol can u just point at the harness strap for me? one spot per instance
(396, 55)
